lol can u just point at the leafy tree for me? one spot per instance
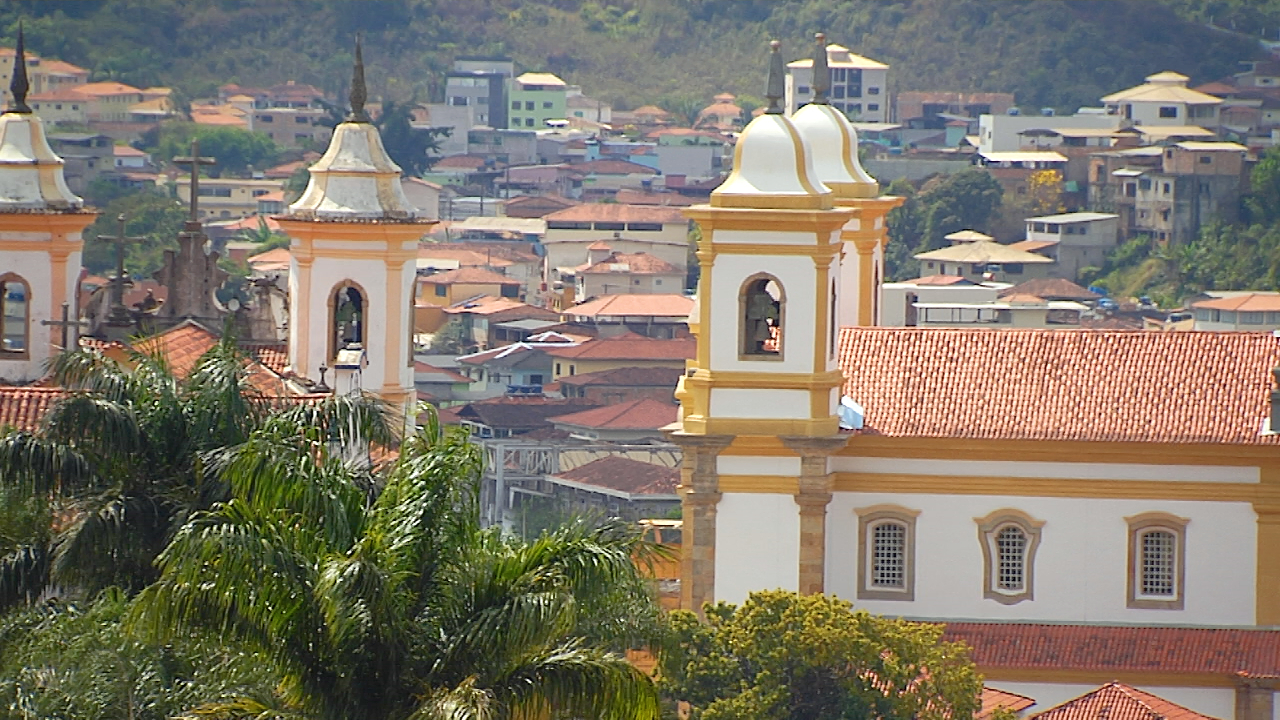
(1044, 190)
(234, 149)
(964, 201)
(411, 148)
(123, 460)
(452, 338)
(783, 656)
(76, 660)
(393, 604)
(149, 214)
(905, 225)
(1263, 201)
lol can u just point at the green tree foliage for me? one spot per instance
(123, 461)
(905, 225)
(149, 214)
(409, 147)
(234, 149)
(1263, 202)
(967, 200)
(393, 604)
(77, 660)
(783, 656)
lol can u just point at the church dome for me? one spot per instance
(355, 180)
(30, 172)
(833, 143)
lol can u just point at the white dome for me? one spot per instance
(30, 173)
(355, 179)
(772, 168)
(833, 143)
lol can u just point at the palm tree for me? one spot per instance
(388, 601)
(122, 461)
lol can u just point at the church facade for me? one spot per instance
(1009, 483)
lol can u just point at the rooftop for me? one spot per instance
(1116, 701)
(1074, 217)
(643, 414)
(622, 474)
(671, 306)
(839, 56)
(469, 276)
(981, 252)
(22, 407)
(631, 264)
(627, 377)
(1250, 302)
(1051, 289)
(617, 212)
(1062, 385)
(628, 346)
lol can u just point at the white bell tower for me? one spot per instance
(352, 271)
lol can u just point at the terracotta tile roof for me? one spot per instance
(66, 94)
(631, 196)
(628, 346)
(623, 474)
(274, 256)
(98, 89)
(60, 67)
(627, 377)
(675, 306)
(183, 345)
(497, 254)
(274, 356)
(1032, 245)
(617, 212)
(939, 280)
(1115, 701)
(614, 167)
(643, 414)
(1051, 289)
(1081, 385)
(600, 245)
(22, 407)
(459, 162)
(522, 414)
(993, 699)
(469, 276)
(1253, 302)
(632, 264)
(1022, 646)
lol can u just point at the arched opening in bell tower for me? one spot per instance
(761, 311)
(15, 317)
(347, 307)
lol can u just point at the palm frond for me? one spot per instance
(111, 541)
(577, 681)
(24, 575)
(39, 464)
(109, 427)
(465, 701)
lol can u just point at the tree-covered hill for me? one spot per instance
(1061, 53)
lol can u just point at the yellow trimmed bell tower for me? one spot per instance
(838, 167)
(352, 270)
(41, 222)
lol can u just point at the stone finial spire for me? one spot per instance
(359, 93)
(821, 73)
(774, 88)
(19, 85)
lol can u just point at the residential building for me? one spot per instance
(480, 83)
(628, 273)
(61, 106)
(723, 114)
(439, 386)
(536, 206)
(291, 127)
(659, 231)
(932, 110)
(1009, 133)
(859, 85)
(615, 486)
(225, 197)
(127, 158)
(625, 350)
(424, 194)
(484, 320)
(610, 387)
(898, 299)
(985, 260)
(518, 415)
(631, 421)
(508, 146)
(1008, 311)
(1164, 99)
(525, 364)
(656, 316)
(43, 74)
(1013, 169)
(85, 156)
(1238, 311)
(1074, 240)
(582, 107)
(536, 98)
(454, 286)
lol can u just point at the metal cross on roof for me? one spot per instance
(119, 314)
(64, 324)
(195, 161)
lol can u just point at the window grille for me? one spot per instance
(888, 560)
(1159, 563)
(1011, 547)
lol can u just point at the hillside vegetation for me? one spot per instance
(1060, 53)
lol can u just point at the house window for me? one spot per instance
(762, 307)
(1009, 540)
(1157, 561)
(15, 317)
(886, 552)
(872, 107)
(546, 104)
(1169, 111)
(528, 104)
(535, 379)
(528, 122)
(873, 91)
(515, 104)
(347, 319)
(441, 291)
(557, 369)
(1206, 159)
(510, 291)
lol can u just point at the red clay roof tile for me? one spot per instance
(658, 305)
(643, 414)
(617, 212)
(623, 474)
(1081, 385)
(993, 699)
(629, 346)
(469, 275)
(631, 263)
(1115, 701)
(22, 407)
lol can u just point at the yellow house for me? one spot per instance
(620, 351)
(454, 286)
(223, 198)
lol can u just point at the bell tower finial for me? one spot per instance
(19, 85)
(359, 93)
(775, 87)
(821, 73)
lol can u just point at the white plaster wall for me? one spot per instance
(757, 544)
(755, 237)
(1214, 702)
(326, 275)
(739, 465)
(1066, 470)
(35, 269)
(780, 404)
(796, 275)
(1081, 565)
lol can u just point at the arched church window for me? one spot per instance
(15, 317)
(886, 552)
(1157, 561)
(347, 323)
(1009, 541)
(762, 312)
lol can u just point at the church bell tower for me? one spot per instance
(352, 271)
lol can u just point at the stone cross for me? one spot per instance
(195, 161)
(119, 314)
(64, 323)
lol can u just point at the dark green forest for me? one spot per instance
(1059, 53)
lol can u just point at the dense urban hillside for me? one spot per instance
(1061, 53)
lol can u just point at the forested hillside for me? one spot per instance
(1061, 53)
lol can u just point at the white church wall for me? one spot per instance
(34, 268)
(757, 543)
(1036, 469)
(1214, 702)
(783, 404)
(795, 273)
(326, 275)
(742, 465)
(1080, 568)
